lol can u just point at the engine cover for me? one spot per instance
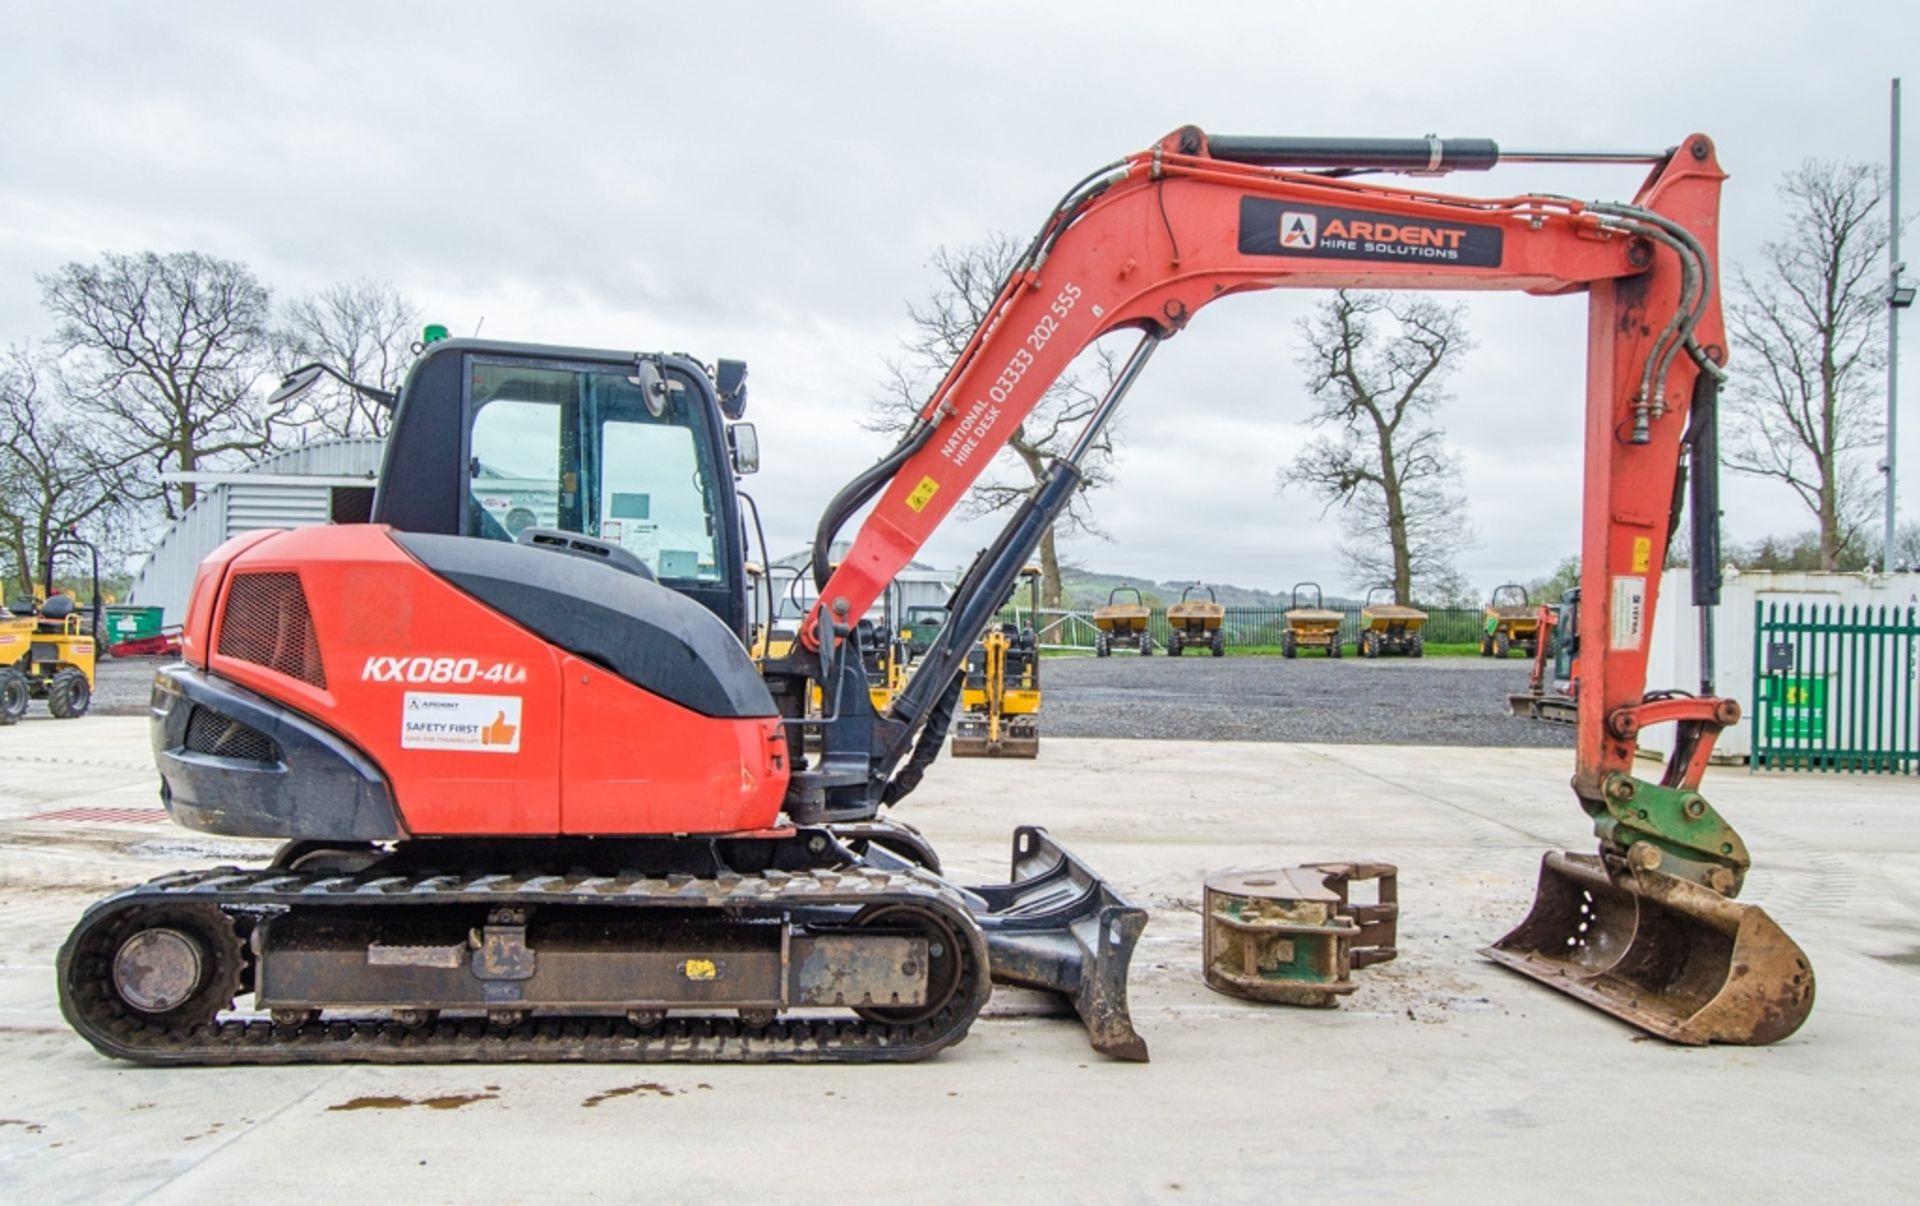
(501, 690)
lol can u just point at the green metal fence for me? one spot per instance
(1834, 687)
(1256, 626)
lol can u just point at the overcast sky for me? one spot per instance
(766, 181)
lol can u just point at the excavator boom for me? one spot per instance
(1147, 242)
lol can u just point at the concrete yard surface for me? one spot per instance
(1343, 701)
(1443, 1078)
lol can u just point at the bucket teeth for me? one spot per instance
(1668, 955)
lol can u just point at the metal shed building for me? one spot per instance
(327, 481)
(920, 584)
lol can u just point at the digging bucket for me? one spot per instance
(1671, 956)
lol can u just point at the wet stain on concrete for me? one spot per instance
(446, 1101)
(645, 1086)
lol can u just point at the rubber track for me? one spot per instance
(122, 1034)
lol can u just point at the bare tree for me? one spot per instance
(967, 280)
(54, 475)
(1811, 327)
(362, 328)
(1564, 578)
(1799, 552)
(1385, 463)
(167, 351)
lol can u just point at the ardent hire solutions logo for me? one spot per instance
(1298, 230)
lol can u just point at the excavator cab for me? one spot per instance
(1565, 644)
(638, 451)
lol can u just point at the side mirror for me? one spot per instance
(745, 443)
(731, 378)
(298, 382)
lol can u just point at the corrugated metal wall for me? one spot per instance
(327, 458)
(224, 510)
(167, 575)
(251, 507)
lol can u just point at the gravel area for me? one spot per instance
(1392, 701)
(1396, 701)
(122, 685)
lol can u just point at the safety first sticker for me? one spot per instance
(473, 724)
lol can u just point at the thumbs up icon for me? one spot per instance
(499, 732)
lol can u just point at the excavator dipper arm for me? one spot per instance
(1148, 242)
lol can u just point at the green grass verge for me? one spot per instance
(1464, 649)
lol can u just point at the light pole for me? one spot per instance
(1899, 297)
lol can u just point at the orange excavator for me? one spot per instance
(539, 802)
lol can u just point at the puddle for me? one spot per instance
(448, 1101)
(645, 1086)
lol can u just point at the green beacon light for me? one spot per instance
(433, 333)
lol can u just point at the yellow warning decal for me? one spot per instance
(700, 969)
(1642, 554)
(922, 494)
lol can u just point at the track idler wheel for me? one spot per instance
(166, 968)
(1670, 956)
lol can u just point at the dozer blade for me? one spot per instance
(1061, 928)
(970, 741)
(1666, 954)
(1015, 745)
(1560, 709)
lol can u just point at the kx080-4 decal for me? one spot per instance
(440, 670)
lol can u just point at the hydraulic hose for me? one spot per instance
(926, 747)
(856, 494)
(1696, 294)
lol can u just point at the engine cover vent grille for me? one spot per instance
(208, 732)
(266, 622)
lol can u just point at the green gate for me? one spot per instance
(1834, 687)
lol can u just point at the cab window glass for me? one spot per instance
(582, 451)
(515, 470)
